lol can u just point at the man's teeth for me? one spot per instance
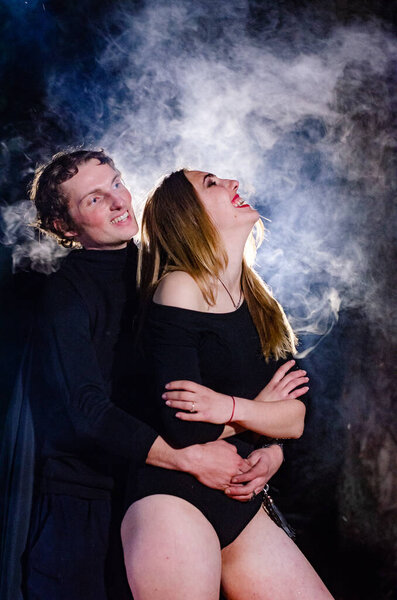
(122, 217)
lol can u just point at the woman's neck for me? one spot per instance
(228, 282)
(231, 275)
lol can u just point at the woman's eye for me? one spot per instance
(212, 182)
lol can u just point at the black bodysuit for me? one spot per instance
(221, 351)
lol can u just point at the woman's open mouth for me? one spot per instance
(238, 202)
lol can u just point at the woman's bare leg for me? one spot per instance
(171, 551)
(263, 563)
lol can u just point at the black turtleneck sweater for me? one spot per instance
(80, 369)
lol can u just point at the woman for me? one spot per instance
(211, 325)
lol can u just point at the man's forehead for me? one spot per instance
(90, 175)
(94, 167)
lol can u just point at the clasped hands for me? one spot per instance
(242, 478)
(219, 466)
(262, 464)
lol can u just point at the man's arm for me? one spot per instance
(65, 334)
(69, 378)
(213, 464)
(217, 465)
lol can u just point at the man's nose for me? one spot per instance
(115, 200)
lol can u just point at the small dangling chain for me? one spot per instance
(236, 306)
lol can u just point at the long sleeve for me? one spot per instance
(71, 367)
(174, 348)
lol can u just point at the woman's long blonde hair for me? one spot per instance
(179, 235)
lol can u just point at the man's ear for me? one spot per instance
(60, 227)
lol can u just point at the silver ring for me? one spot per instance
(192, 407)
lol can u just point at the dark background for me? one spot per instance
(298, 101)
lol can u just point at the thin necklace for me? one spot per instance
(230, 296)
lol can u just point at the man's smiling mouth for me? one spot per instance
(121, 218)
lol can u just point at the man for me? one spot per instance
(80, 375)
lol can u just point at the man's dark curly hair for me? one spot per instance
(45, 192)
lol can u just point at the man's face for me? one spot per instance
(100, 206)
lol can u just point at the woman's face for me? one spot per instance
(222, 202)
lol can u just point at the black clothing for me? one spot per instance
(221, 351)
(81, 359)
(17, 453)
(82, 344)
(57, 548)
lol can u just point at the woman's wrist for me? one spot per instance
(233, 410)
(242, 409)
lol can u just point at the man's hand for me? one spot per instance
(214, 464)
(263, 465)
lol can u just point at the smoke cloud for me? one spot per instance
(294, 105)
(38, 252)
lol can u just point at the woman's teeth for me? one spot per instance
(237, 201)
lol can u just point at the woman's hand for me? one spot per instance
(276, 412)
(284, 385)
(264, 464)
(199, 402)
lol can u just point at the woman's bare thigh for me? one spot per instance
(171, 551)
(263, 563)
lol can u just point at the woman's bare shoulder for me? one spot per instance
(181, 290)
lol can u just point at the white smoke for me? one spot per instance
(192, 84)
(43, 252)
(245, 108)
